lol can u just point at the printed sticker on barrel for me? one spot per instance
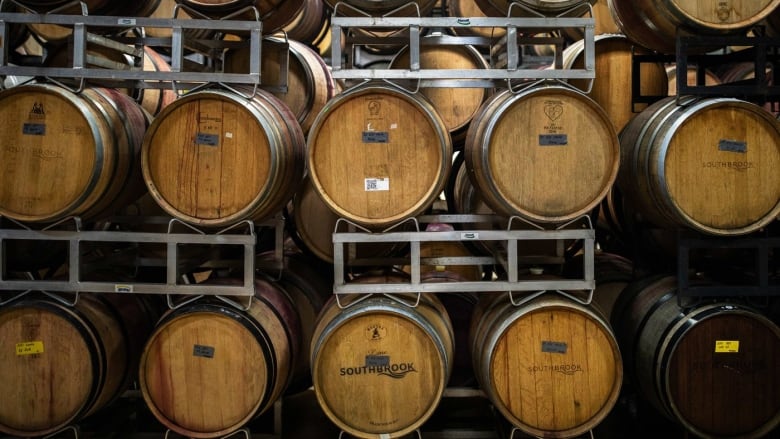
(29, 348)
(727, 346)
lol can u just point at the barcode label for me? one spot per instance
(377, 184)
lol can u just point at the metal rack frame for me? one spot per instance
(507, 47)
(173, 284)
(509, 260)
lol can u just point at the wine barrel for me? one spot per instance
(154, 99)
(456, 106)
(209, 368)
(503, 8)
(378, 155)
(383, 7)
(274, 14)
(312, 225)
(308, 23)
(68, 154)
(63, 363)
(310, 84)
(706, 164)
(655, 24)
(548, 154)
(614, 58)
(710, 78)
(214, 158)
(551, 366)
(56, 33)
(711, 367)
(469, 8)
(380, 365)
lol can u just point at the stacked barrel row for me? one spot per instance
(376, 155)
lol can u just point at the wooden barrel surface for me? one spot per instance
(210, 368)
(67, 154)
(309, 22)
(551, 366)
(383, 7)
(62, 363)
(502, 8)
(712, 367)
(614, 58)
(310, 84)
(378, 155)
(274, 14)
(469, 8)
(380, 365)
(548, 154)
(707, 164)
(710, 78)
(313, 224)
(214, 158)
(456, 106)
(655, 24)
(155, 99)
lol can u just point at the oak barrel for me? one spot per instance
(63, 363)
(469, 8)
(68, 154)
(655, 24)
(380, 365)
(707, 164)
(274, 14)
(547, 153)
(154, 99)
(310, 84)
(214, 158)
(711, 367)
(378, 155)
(312, 224)
(614, 64)
(456, 106)
(382, 7)
(551, 366)
(503, 8)
(209, 367)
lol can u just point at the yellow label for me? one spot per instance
(726, 346)
(29, 348)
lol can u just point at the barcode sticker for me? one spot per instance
(377, 184)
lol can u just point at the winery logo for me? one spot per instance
(375, 332)
(566, 369)
(37, 111)
(380, 365)
(553, 109)
(374, 107)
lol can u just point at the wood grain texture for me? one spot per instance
(205, 395)
(551, 391)
(81, 361)
(310, 84)
(614, 57)
(379, 367)
(456, 106)
(378, 134)
(655, 24)
(676, 362)
(66, 154)
(709, 165)
(548, 154)
(214, 158)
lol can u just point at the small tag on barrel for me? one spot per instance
(376, 137)
(207, 139)
(203, 351)
(554, 347)
(727, 346)
(553, 139)
(29, 348)
(377, 360)
(34, 129)
(732, 146)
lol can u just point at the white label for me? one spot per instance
(229, 135)
(377, 184)
(393, 126)
(126, 22)
(123, 288)
(469, 235)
